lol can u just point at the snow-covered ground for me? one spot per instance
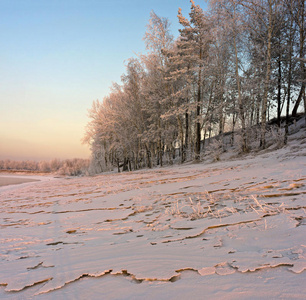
(227, 230)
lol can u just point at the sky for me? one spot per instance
(56, 58)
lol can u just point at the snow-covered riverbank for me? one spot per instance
(230, 230)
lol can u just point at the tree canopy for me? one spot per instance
(231, 69)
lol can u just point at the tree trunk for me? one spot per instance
(288, 105)
(289, 81)
(240, 104)
(125, 166)
(233, 129)
(267, 82)
(257, 112)
(198, 113)
(187, 131)
(149, 164)
(198, 135)
(118, 165)
(279, 88)
(301, 22)
(159, 154)
(298, 101)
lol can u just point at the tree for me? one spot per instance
(263, 18)
(156, 88)
(194, 40)
(232, 17)
(297, 9)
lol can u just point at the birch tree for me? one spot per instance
(232, 20)
(263, 14)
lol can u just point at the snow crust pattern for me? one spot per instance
(185, 228)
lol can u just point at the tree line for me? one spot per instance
(71, 167)
(231, 69)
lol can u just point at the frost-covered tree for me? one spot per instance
(262, 21)
(194, 43)
(230, 68)
(156, 89)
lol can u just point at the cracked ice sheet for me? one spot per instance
(265, 284)
(159, 263)
(54, 234)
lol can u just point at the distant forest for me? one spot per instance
(70, 167)
(232, 69)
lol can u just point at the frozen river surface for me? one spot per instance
(12, 180)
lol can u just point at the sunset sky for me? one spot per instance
(56, 57)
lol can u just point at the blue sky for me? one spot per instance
(56, 57)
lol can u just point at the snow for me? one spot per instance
(231, 229)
